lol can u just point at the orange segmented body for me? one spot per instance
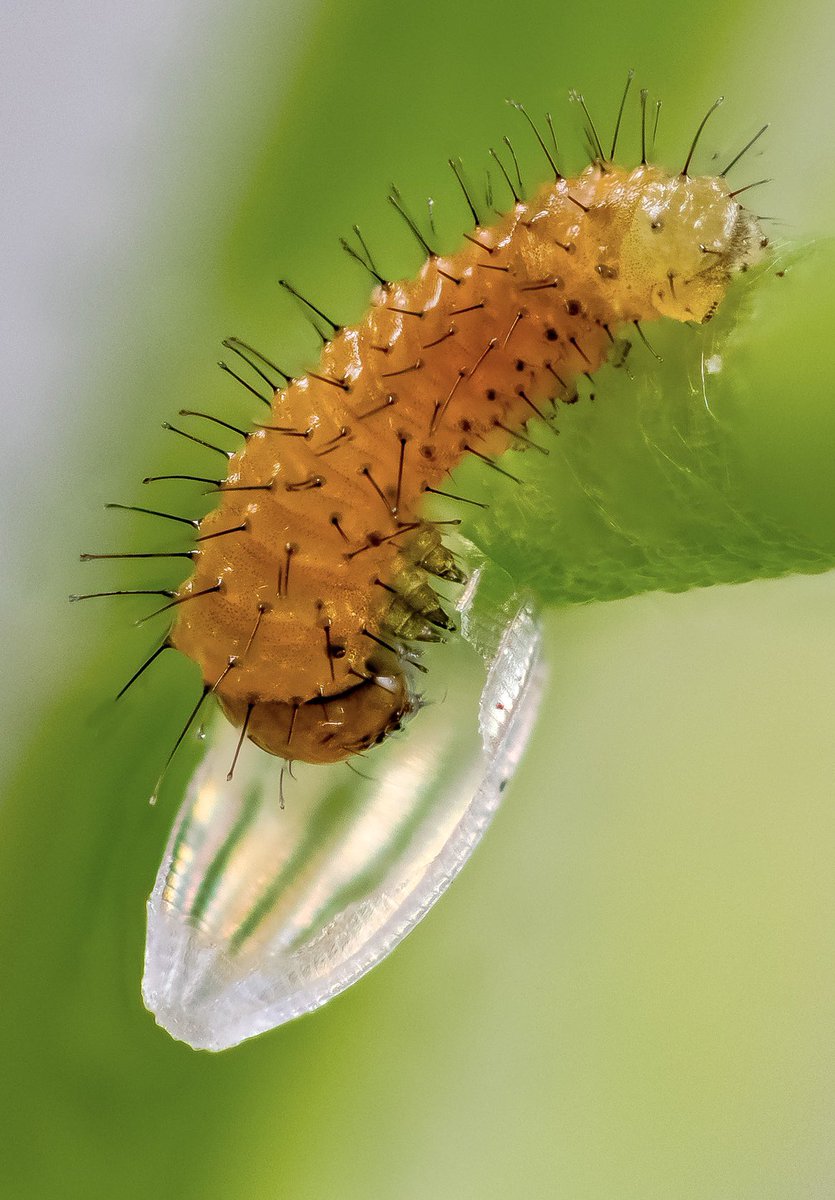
(314, 573)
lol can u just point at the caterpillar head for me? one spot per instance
(685, 239)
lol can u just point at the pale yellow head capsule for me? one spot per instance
(685, 239)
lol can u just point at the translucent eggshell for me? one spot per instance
(260, 914)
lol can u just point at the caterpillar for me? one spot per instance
(312, 587)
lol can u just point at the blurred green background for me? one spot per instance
(629, 992)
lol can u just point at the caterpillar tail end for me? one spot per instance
(328, 729)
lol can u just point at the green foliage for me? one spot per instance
(709, 467)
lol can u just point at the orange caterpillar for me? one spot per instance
(314, 573)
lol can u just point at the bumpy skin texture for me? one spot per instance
(331, 558)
